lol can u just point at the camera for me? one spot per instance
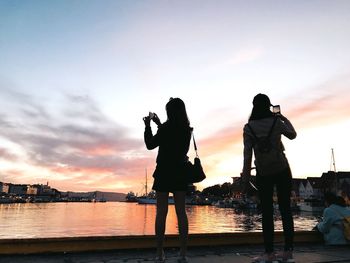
(151, 115)
(276, 109)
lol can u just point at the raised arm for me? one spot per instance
(150, 140)
(287, 128)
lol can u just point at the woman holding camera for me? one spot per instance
(263, 135)
(173, 139)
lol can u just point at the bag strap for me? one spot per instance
(270, 131)
(195, 145)
(252, 131)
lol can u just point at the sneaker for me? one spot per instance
(160, 259)
(266, 258)
(182, 259)
(286, 256)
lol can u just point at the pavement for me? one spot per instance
(222, 254)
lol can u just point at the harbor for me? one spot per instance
(111, 232)
(81, 219)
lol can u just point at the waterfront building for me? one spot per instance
(337, 182)
(45, 193)
(18, 189)
(314, 187)
(298, 188)
(32, 190)
(4, 188)
(44, 190)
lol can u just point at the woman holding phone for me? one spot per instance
(173, 141)
(262, 134)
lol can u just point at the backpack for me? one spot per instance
(269, 159)
(346, 224)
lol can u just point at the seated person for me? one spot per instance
(332, 224)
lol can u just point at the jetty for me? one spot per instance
(218, 247)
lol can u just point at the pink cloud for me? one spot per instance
(326, 104)
(246, 55)
(7, 155)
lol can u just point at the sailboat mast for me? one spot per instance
(335, 172)
(146, 188)
(333, 161)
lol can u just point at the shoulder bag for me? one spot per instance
(194, 172)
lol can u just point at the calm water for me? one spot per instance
(118, 218)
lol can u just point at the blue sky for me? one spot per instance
(76, 77)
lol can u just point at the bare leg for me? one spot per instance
(179, 198)
(162, 211)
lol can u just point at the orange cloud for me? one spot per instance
(326, 104)
(80, 158)
(222, 139)
(98, 150)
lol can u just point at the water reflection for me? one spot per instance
(113, 218)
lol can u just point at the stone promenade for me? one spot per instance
(304, 253)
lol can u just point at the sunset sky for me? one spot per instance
(76, 78)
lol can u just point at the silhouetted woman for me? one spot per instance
(263, 135)
(173, 139)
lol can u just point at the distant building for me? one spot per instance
(18, 189)
(32, 190)
(4, 188)
(298, 188)
(337, 182)
(315, 187)
(311, 187)
(44, 190)
(45, 193)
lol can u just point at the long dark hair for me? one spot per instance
(176, 112)
(331, 199)
(261, 107)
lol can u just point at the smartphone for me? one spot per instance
(151, 115)
(276, 109)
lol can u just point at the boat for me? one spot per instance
(311, 205)
(146, 200)
(197, 200)
(238, 203)
(149, 198)
(131, 197)
(227, 203)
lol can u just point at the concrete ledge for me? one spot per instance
(80, 244)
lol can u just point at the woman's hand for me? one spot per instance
(156, 119)
(147, 121)
(283, 118)
(245, 177)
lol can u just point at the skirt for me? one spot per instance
(169, 179)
